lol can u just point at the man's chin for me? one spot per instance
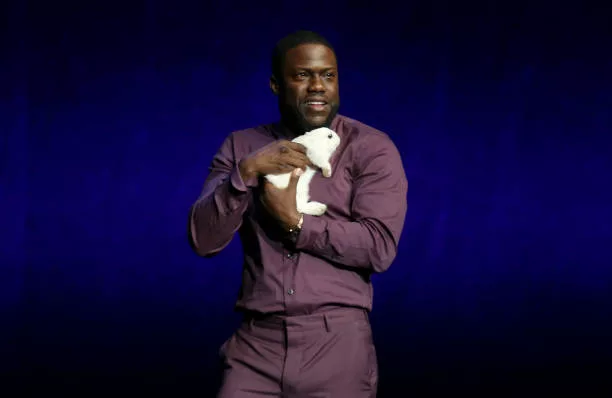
(311, 123)
(317, 124)
(304, 121)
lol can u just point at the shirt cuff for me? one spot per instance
(239, 184)
(312, 228)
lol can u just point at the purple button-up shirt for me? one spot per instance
(331, 260)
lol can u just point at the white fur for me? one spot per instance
(320, 145)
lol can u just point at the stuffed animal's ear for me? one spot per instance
(274, 85)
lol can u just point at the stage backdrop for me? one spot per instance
(111, 113)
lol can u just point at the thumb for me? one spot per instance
(295, 176)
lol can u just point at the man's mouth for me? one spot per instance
(316, 105)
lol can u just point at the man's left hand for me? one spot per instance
(281, 203)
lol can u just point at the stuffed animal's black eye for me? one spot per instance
(329, 136)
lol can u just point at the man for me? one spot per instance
(306, 291)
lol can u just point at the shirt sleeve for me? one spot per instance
(217, 214)
(370, 240)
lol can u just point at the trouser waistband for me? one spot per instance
(326, 319)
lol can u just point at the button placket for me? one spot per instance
(290, 260)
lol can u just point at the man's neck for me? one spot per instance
(288, 131)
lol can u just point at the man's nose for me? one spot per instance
(316, 84)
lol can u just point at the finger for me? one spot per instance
(297, 159)
(295, 176)
(286, 166)
(307, 162)
(295, 162)
(296, 147)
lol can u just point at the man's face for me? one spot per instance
(308, 92)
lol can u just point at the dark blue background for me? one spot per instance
(111, 114)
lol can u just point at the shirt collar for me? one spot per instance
(280, 131)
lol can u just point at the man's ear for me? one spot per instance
(274, 85)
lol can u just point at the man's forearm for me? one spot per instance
(365, 244)
(217, 214)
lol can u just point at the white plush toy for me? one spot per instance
(320, 144)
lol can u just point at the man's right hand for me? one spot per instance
(278, 157)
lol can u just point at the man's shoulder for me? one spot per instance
(360, 133)
(370, 146)
(252, 133)
(245, 140)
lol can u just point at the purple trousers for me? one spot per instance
(316, 356)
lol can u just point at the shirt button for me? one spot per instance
(289, 255)
(290, 291)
